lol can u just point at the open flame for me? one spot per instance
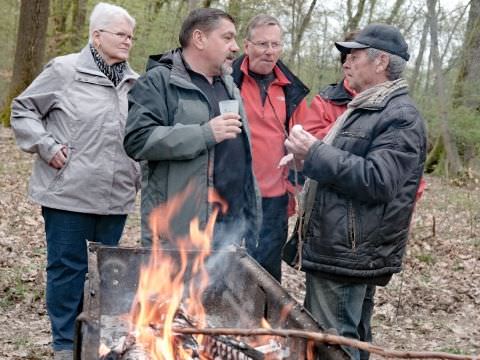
(169, 294)
(161, 290)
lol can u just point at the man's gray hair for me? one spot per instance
(262, 20)
(104, 14)
(396, 64)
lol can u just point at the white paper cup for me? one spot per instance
(228, 106)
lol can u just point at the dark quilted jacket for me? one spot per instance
(366, 195)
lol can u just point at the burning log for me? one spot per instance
(212, 347)
(223, 347)
(125, 349)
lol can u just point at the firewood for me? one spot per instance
(326, 338)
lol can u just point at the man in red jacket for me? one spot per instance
(274, 100)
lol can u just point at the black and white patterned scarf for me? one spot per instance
(114, 72)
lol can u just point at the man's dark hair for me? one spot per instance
(349, 36)
(204, 19)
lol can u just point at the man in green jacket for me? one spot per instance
(174, 123)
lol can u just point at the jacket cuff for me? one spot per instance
(208, 135)
(48, 151)
(310, 158)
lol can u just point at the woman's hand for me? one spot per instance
(60, 158)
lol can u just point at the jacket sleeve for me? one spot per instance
(149, 133)
(320, 117)
(31, 107)
(394, 154)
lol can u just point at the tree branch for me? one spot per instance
(324, 338)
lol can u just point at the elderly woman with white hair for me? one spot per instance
(73, 117)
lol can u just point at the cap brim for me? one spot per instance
(346, 46)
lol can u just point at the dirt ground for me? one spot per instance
(433, 305)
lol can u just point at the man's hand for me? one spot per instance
(226, 126)
(59, 159)
(299, 142)
(291, 162)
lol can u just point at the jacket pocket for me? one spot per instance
(355, 134)
(354, 141)
(58, 179)
(92, 79)
(136, 174)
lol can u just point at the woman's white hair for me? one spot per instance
(104, 14)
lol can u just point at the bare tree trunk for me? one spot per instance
(419, 59)
(59, 41)
(295, 15)
(466, 85)
(30, 50)
(426, 88)
(450, 36)
(325, 45)
(234, 8)
(301, 30)
(78, 23)
(354, 20)
(396, 8)
(371, 10)
(157, 5)
(453, 163)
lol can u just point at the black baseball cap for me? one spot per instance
(377, 36)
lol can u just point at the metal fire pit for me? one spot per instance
(240, 293)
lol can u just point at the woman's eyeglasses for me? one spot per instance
(120, 35)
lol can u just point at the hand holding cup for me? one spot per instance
(228, 124)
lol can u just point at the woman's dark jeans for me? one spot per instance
(66, 234)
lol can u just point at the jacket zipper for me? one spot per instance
(351, 226)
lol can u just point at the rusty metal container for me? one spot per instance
(240, 293)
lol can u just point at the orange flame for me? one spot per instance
(161, 289)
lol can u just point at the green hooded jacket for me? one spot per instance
(168, 130)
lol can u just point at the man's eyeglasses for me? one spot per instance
(120, 35)
(264, 45)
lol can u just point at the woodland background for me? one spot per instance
(434, 304)
(444, 39)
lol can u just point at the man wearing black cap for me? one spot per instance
(363, 177)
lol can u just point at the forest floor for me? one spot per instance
(433, 305)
